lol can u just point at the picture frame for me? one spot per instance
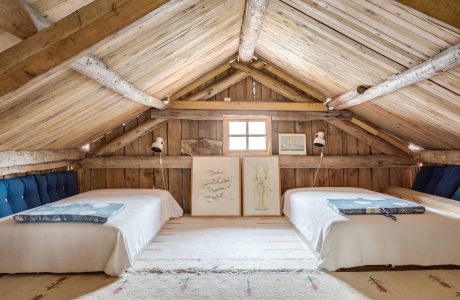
(292, 144)
(261, 186)
(216, 186)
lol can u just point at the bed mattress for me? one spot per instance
(87, 247)
(344, 241)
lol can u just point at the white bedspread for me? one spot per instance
(340, 241)
(86, 247)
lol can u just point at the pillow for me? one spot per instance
(5, 208)
(437, 175)
(60, 185)
(71, 183)
(422, 179)
(42, 185)
(31, 195)
(449, 182)
(51, 187)
(15, 195)
(456, 196)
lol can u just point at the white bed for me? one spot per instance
(86, 247)
(339, 241)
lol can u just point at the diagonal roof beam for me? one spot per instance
(15, 20)
(96, 69)
(252, 23)
(74, 34)
(441, 62)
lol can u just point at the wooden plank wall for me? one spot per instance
(178, 181)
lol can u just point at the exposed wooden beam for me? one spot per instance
(218, 115)
(345, 161)
(446, 11)
(96, 69)
(67, 38)
(321, 98)
(272, 83)
(15, 20)
(441, 62)
(218, 86)
(367, 137)
(425, 199)
(451, 157)
(195, 84)
(129, 137)
(286, 161)
(33, 168)
(253, 19)
(20, 158)
(248, 106)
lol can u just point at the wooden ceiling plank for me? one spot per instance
(96, 69)
(67, 38)
(15, 20)
(446, 11)
(445, 60)
(253, 19)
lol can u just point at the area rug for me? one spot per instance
(407, 285)
(225, 244)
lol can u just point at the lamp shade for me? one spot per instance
(157, 146)
(319, 140)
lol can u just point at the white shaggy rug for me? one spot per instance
(225, 244)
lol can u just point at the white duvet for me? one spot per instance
(340, 241)
(86, 247)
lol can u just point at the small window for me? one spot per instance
(247, 135)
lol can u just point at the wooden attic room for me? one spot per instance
(224, 149)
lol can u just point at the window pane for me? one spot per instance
(237, 143)
(235, 127)
(257, 143)
(257, 127)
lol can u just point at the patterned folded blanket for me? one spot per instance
(71, 212)
(386, 206)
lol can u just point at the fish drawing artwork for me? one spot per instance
(262, 185)
(216, 185)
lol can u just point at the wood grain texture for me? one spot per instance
(32, 168)
(201, 147)
(15, 20)
(19, 158)
(439, 157)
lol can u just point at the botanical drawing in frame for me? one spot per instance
(292, 144)
(261, 186)
(216, 186)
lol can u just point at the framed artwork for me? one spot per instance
(292, 144)
(216, 186)
(261, 186)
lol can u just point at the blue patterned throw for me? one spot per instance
(385, 206)
(71, 212)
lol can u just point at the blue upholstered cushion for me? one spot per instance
(15, 195)
(449, 182)
(31, 195)
(422, 179)
(60, 185)
(71, 183)
(456, 196)
(438, 172)
(42, 185)
(5, 208)
(51, 188)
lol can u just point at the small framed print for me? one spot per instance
(292, 144)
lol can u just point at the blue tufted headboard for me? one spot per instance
(443, 181)
(22, 193)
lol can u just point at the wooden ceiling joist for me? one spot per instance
(441, 62)
(15, 20)
(446, 11)
(20, 158)
(73, 34)
(33, 168)
(94, 68)
(438, 157)
(252, 23)
(218, 115)
(248, 106)
(129, 137)
(286, 161)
